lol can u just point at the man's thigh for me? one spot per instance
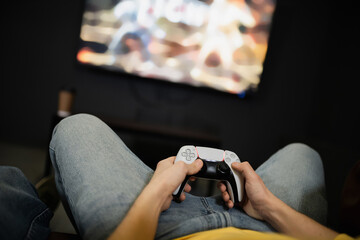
(97, 176)
(295, 175)
(23, 215)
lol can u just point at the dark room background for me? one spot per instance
(307, 91)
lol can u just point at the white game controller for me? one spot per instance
(217, 165)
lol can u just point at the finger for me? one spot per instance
(187, 188)
(166, 162)
(245, 169)
(182, 197)
(225, 196)
(192, 179)
(230, 204)
(171, 159)
(194, 167)
(221, 186)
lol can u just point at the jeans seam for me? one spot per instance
(215, 219)
(228, 222)
(68, 199)
(34, 220)
(223, 217)
(206, 205)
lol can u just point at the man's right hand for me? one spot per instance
(257, 196)
(260, 203)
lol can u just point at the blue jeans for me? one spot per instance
(99, 178)
(22, 214)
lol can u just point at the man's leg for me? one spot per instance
(23, 215)
(295, 175)
(197, 214)
(97, 176)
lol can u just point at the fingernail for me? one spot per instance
(236, 164)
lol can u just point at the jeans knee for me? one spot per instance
(76, 122)
(14, 178)
(79, 120)
(309, 154)
(10, 173)
(299, 147)
(74, 126)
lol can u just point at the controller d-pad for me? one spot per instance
(188, 155)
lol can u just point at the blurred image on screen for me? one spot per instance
(219, 44)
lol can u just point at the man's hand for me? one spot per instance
(142, 219)
(257, 195)
(168, 176)
(260, 203)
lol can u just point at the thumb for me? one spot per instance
(237, 166)
(244, 169)
(195, 167)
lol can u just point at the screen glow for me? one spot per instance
(219, 44)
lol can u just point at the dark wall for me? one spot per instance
(307, 91)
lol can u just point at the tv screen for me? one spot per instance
(219, 44)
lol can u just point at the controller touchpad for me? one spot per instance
(210, 154)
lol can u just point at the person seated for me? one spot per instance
(109, 193)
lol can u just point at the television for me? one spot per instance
(219, 44)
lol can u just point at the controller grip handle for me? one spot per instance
(180, 189)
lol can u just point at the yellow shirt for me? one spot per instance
(231, 233)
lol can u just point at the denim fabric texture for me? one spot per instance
(98, 178)
(22, 214)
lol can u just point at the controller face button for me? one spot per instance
(188, 155)
(223, 168)
(228, 160)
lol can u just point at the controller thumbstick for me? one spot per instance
(204, 168)
(223, 168)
